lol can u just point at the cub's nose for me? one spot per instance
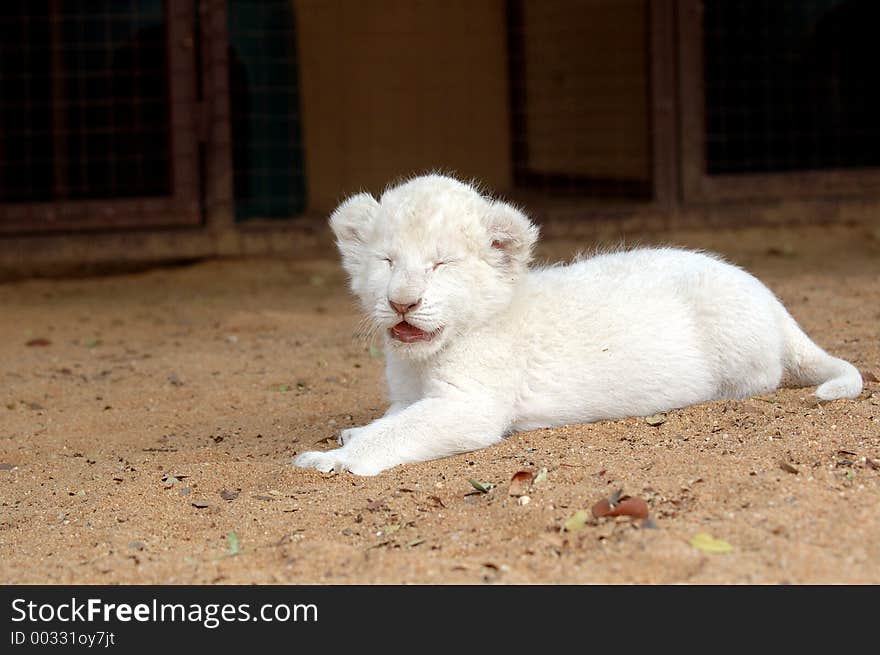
(403, 308)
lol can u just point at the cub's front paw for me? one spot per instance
(337, 460)
(322, 461)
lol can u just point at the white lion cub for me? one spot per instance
(478, 345)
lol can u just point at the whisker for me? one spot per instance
(367, 329)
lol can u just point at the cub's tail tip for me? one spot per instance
(846, 384)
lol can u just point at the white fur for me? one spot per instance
(619, 334)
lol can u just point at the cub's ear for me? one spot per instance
(352, 220)
(511, 234)
(352, 223)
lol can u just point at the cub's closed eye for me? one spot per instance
(438, 265)
(388, 261)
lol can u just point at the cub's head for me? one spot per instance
(431, 259)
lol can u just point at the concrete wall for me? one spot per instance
(586, 87)
(394, 87)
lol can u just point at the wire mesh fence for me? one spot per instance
(117, 113)
(791, 85)
(97, 114)
(267, 147)
(85, 100)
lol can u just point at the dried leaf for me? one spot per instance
(200, 504)
(415, 542)
(624, 506)
(655, 419)
(437, 500)
(234, 545)
(520, 483)
(788, 468)
(482, 487)
(229, 495)
(7, 467)
(602, 508)
(576, 522)
(283, 388)
(40, 342)
(391, 529)
(867, 376)
(709, 544)
(541, 476)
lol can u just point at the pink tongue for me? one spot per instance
(404, 329)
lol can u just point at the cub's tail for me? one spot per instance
(807, 364)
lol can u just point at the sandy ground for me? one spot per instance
(150, 441)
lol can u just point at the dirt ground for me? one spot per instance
(150, 441)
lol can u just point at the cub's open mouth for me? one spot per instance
(407, 333)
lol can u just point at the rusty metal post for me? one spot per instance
(219, 194)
